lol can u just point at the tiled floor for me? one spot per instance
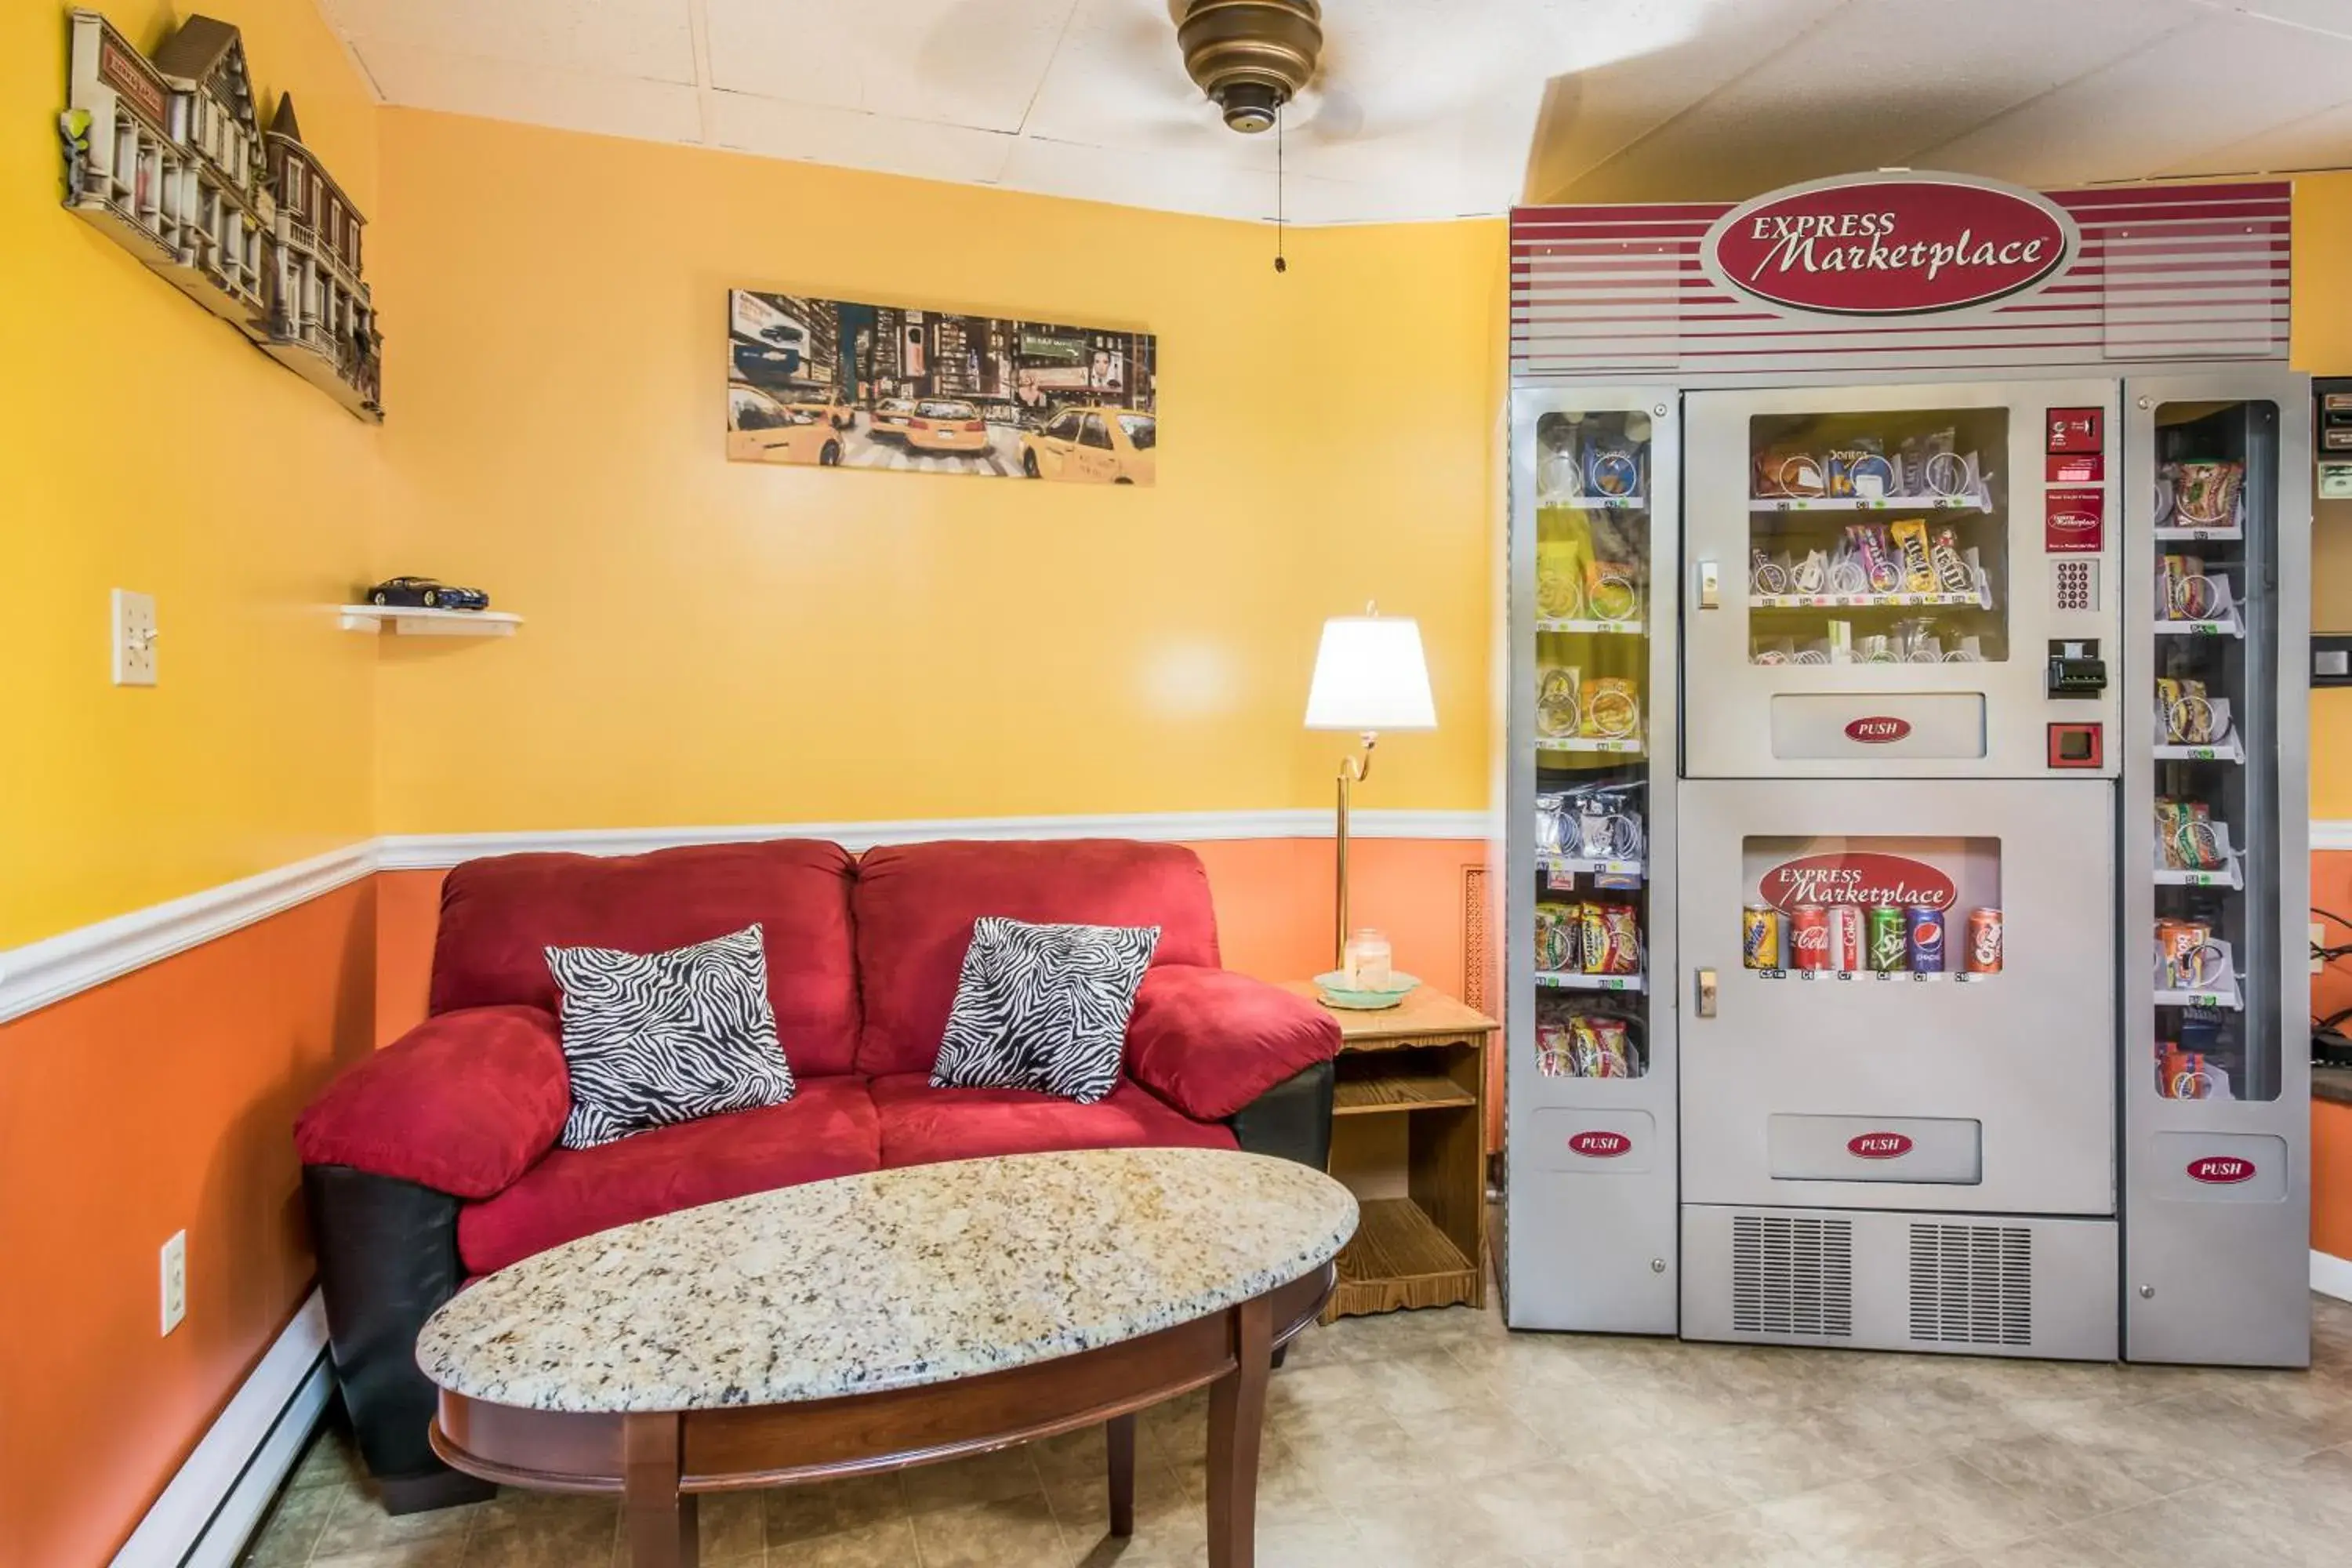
(1437, 1439)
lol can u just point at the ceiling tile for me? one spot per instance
(974, 63)
(643, 39)
(1633, 68)
(537, 95)
(2220, 81)
(753, 125)
(1876, 84)
(1118, 81)
(2322, 141)
(2317, 15)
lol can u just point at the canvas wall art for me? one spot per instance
(841, 385)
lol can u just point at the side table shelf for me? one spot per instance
(1425, 1062)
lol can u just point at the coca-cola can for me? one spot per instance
(1809, 937)
(1984, 942)
(1845, 939)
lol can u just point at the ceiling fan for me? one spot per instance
(1251, 56)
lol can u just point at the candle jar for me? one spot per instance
(1367, 961)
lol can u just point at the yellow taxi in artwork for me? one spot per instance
(829, 407)
(760, 429)
(890, 416)
(944, 425)
(1101, 446)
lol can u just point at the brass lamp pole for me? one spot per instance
(1371, 676)
(1352, 772)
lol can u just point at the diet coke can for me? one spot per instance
(1845, 939)
(1984, 942)
(1809, 937)
(1926, 929)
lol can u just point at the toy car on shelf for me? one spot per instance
(426, 592)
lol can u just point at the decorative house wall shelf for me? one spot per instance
(170, 158)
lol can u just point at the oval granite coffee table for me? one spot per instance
(891, 1320)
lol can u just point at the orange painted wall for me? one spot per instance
(1273, 898)
(2331, 1178)
(162, 1101)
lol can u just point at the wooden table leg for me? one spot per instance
(1119, 1436)
(1236, 1411)
(663, 1528)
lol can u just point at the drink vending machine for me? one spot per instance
(1907, 825)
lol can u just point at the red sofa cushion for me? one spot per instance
(1209, 1041)
(916, 903)
(499, 916)
(922, 1125)
(462, 1103)
(827, 1129)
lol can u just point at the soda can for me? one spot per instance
(1809, 937)
(1984, 942)
(1846, 938)
(1889, 939)
(1926, 928)
(1759, 936)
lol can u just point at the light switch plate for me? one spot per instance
(175, 1281)
(134, 638)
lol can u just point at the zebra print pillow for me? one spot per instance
(1043, 1008)
(656, 1038)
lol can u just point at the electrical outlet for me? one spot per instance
(2318, 940)
(134, 638)
(175, 1281)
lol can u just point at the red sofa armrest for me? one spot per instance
(464, 1103)
(1209, 1041)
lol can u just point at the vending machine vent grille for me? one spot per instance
(1791, 1276)
(1972, 1284)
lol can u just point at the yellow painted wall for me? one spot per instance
(144, 444)
(710, 642)
(2323, 346)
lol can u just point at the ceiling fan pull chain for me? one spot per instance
(1279, 263)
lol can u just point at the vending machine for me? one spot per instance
(1905, 792)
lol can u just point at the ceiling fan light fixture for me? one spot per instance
(1251, 56)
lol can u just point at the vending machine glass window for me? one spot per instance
(1591, 592)
(1879, 537)
(2217, 1026)
(1877, 908)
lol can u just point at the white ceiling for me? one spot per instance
(1425, 109)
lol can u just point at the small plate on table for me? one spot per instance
(1334, 991)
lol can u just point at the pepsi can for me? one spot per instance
(1926, 929)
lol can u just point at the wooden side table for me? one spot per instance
(1425, 1061)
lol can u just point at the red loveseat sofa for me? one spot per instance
(435, 1160)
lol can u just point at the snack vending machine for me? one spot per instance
(1906, 778)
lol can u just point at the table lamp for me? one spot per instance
(1370, 676)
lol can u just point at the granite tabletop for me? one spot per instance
(887, 1280)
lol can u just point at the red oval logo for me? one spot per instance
(1859, 877)
(1878, 730)
(1878, 245)
(2222, 1170)
(1878, 1146)
(1600, 1145)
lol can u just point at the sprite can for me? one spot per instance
(1889, 939)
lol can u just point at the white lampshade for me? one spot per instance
(1370, 676)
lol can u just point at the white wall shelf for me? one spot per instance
(416, 621)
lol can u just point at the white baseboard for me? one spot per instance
(423, 851)
(214, 1504)
(40, 973)
(2332, 1276)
